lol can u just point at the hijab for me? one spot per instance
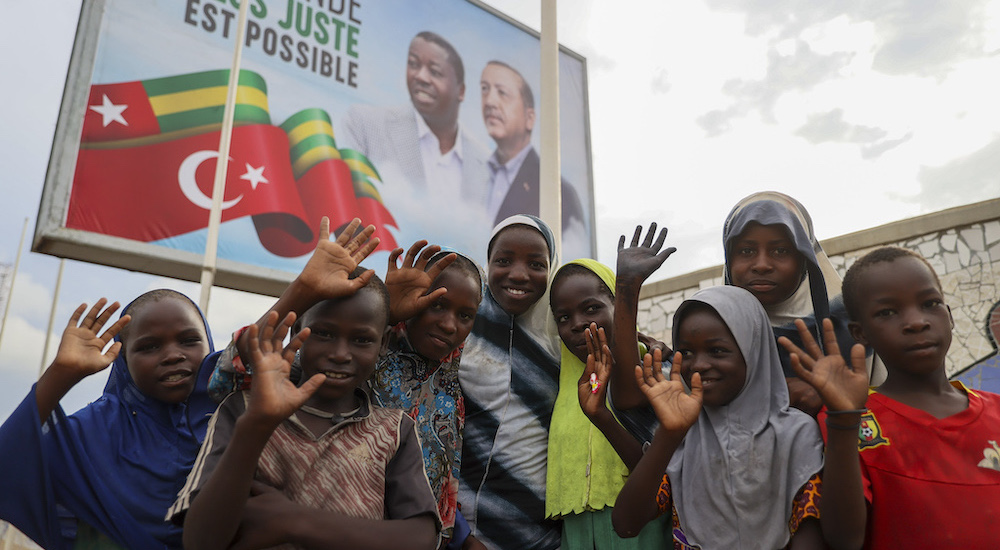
(818, 295)
(575, 444)
(116, 464)
(738, 469)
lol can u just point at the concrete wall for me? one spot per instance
(962, 244)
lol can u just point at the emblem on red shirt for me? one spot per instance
(991, 457)
(870, 433)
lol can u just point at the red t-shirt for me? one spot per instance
(929, 482)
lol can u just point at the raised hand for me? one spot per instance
(273, 397)
(327, 273)
(843, 387)
(597, 371)
(637, 262)
(674, 407)
(81, 351)
(408, 284)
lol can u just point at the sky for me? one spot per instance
(867, 112)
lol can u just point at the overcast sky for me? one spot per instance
(867, 112)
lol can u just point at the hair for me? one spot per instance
(852, 301)
(147, 298)
(461, 263)
(527, 97)
(454, 59)
(577, 269)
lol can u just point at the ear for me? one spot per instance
(461, 92)
(529, 119)
(857, 333)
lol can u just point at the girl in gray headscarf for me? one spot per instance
(741, 466)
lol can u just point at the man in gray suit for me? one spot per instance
(422, 144)
(509, 115)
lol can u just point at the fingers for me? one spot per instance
(91, 317)
(799, 369)
(830, 338)
(361, 280)
(660, 239)
(441, 265)
(393, 259)
(324, 228)
(675, 367)
(811, 346)
(253, 342)
(621, 243)
(792, 349)
(347, 234)
(858, 362)
(112, 352)
(413, 252)
(74, 319)
(116, 328)
(295, 345)
(636, 236)
(696, 390)
(309, 387)
(369, 247)
(104, 316)
(666, 253)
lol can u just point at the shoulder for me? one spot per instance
(371, 114)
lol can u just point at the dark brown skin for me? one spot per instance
(80, 354)
(635, 264)
(258, 516)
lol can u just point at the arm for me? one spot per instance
(635, 264)
(677, 412)
(273, 398)
(325, 275)
(843, 514)
(808, 537)
(407, 285)
(80, 354)
(592, 397)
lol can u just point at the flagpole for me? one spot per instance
(550, 189)
(13, 276)
(52, 317)
(208, 266)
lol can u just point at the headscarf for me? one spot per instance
(116, 464)
(509, 374)
(818, 295)
(738, 469)
(585, 472)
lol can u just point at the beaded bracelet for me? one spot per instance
(851, 411)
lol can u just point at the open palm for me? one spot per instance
(674, 407)
(408, 283)
(638, 261)
(81, 349)
(843, 387)
(273, 397)
(327, 273)
(599, 366)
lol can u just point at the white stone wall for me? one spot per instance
(967, 260)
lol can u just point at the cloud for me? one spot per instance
(831, 127)
(660, 83)
(914, 37)
(801, 70)
(964, 180)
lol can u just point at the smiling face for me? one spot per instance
(578, 299)
(903, 317)
(709, 348)
(345, 339)
(763, 260)
(518, 268)
(442, 327)
(432, 82)
(507, 118)
(165, 345)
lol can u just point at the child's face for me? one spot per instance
(165, 347)
(518, 269)
(709, 348)
(903, 317)
(346, 337)
(579, 299)
(441, 328)
(763, 260)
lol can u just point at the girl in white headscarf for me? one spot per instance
(741, 466)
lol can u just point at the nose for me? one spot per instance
(448, 323)
(422, 74)
(761, 264)
(697, 363)
(914, 320)
(172, 354)
(579, 323)
(340, 351)
(518, 272)
(489, 97)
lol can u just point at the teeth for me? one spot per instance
(174, 377)
(516, 291)
(335, 375)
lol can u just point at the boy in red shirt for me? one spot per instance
(920, 466)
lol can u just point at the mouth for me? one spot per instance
(922, 347)
(423, 96)
(176, 377)
(440, 341)
(761, 285)
(336, 375)
(516, 292)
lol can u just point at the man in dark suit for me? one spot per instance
(509, 115)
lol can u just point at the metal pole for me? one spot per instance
(550, 189)
(52, 317)
(13, 277)
(221, 166)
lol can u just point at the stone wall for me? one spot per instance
(962, 244)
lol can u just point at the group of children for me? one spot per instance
(521, 408)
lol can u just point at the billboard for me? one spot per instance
(418, 117)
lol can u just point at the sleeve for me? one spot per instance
(806, 503)
(29, 501)
(407, 492)
(220, 431)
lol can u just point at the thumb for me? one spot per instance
(310, 386)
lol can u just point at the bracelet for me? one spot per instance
(853, 427)
(852, 411)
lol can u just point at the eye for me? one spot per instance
(364, 340)
(436, 73)
(933, 302)
(484, 89)
(745, 251)
(320, 334)
(501, 261)
(466, 316)
(538, 266)
(719, 350)
(885, 312)
(146, 347)
(594, 308)
(560, 319)
(782, 251)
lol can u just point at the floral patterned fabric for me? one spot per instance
(429, 392)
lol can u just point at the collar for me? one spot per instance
(424, 133)
(513, 165)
